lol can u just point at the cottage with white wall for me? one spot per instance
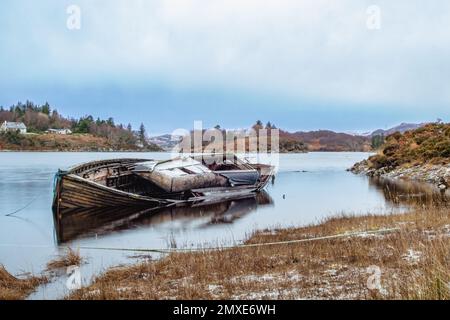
(13, 127)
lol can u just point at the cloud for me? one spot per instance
(316, 50)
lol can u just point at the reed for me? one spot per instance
(13, 288)
(69, 258)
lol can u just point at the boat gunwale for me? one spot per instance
(74, 169)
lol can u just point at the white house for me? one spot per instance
(13, 126)
(60, 131)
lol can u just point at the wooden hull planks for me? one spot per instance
(73, 191)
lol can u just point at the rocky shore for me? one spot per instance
(435, 174)
(421, 155)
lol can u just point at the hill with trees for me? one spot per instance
(89, 134)
(297, 142)
(427, 144)
(326, 140)
(321, 140)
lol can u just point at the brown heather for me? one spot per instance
(427, 145)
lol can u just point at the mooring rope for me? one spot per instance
(200, 249)
(23, 208)
(175, 250)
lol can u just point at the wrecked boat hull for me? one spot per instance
(80, 187)
(115, 183)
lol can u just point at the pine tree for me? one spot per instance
(377, 141)
(142, 135)
(258, 126)
(46, 109)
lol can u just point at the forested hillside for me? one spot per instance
(89, 133)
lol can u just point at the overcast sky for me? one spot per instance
(300, 64)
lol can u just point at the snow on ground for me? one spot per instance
(412, 256)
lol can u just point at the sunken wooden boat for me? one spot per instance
(155, 183)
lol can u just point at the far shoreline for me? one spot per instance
(164, 151)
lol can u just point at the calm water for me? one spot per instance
(307, 188)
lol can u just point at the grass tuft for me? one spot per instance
(70, 258)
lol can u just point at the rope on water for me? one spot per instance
(23, 208)
(59, 174)
(174, 250)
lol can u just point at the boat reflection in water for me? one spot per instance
(71, 224)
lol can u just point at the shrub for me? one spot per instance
(12, 137)
(430, 143)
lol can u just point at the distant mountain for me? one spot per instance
(400, 128)
(326, 140)
(165, 141)
(323, 140)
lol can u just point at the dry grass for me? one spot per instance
(414, 261)
(12, 288)
(70, 258)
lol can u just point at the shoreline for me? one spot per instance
(87, 151)
(424, 173)
(335, 261)
(159, 151)
(331, 261)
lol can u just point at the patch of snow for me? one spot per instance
(268, 294)
(331, 272)
(257, 278)
(213, 288)
(288, 276)
(412, 256)
(294, 276)
(268, 233)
